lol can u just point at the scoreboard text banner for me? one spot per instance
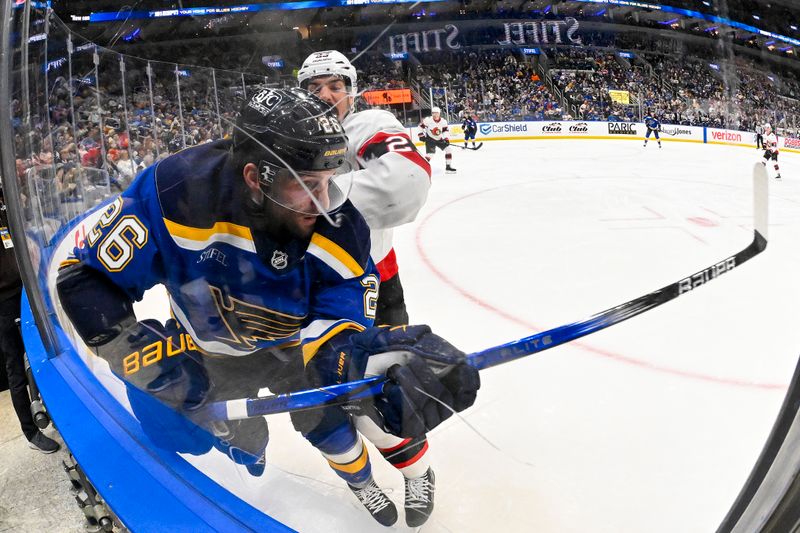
(388, 96)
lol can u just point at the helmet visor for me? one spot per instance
(309, 192)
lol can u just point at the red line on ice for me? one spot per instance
(533, 328)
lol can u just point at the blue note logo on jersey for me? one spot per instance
(245, 324)
(486, 129)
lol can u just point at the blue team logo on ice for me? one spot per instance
(486, 129)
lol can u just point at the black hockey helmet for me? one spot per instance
(290, 133)
(291, 128)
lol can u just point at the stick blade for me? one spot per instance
(760, 199)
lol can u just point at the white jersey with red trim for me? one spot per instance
(435, 129)
(392, 179)
(771, 142)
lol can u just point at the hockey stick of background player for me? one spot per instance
(466, 147)
(354, 390)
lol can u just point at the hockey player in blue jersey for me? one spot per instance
(271, 285)
(653, 126)
(470, 127)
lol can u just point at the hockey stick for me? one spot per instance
(354, 390)
(466, 147)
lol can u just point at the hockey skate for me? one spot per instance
(377, 503)
(419, 498)
(449, 170)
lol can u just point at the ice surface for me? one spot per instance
(652, 425)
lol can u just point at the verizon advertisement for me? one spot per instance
(716, 136)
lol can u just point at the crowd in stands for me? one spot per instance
(120, 122)
(493, 84)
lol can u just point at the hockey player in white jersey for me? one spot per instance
(771, 149)
(389, 187)
(434, 132)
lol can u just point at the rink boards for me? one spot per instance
(631, 131)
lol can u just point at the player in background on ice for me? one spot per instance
(771, 149)
(653, 126)
(470, 127)
(434, 133)
(267, 267)
(389, 187)
(759, 136)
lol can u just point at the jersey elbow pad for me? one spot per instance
(98, 310)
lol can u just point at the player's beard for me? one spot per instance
(280, 223)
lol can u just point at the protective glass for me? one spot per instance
(611, 152)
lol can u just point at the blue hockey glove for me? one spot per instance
(428, 377)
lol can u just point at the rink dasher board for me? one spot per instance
(594, 130)
(149, 489)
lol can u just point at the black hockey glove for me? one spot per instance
(428, 378)
(244, 442)
(154, 359)
(148, 355)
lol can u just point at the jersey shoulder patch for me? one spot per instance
(345, 248)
